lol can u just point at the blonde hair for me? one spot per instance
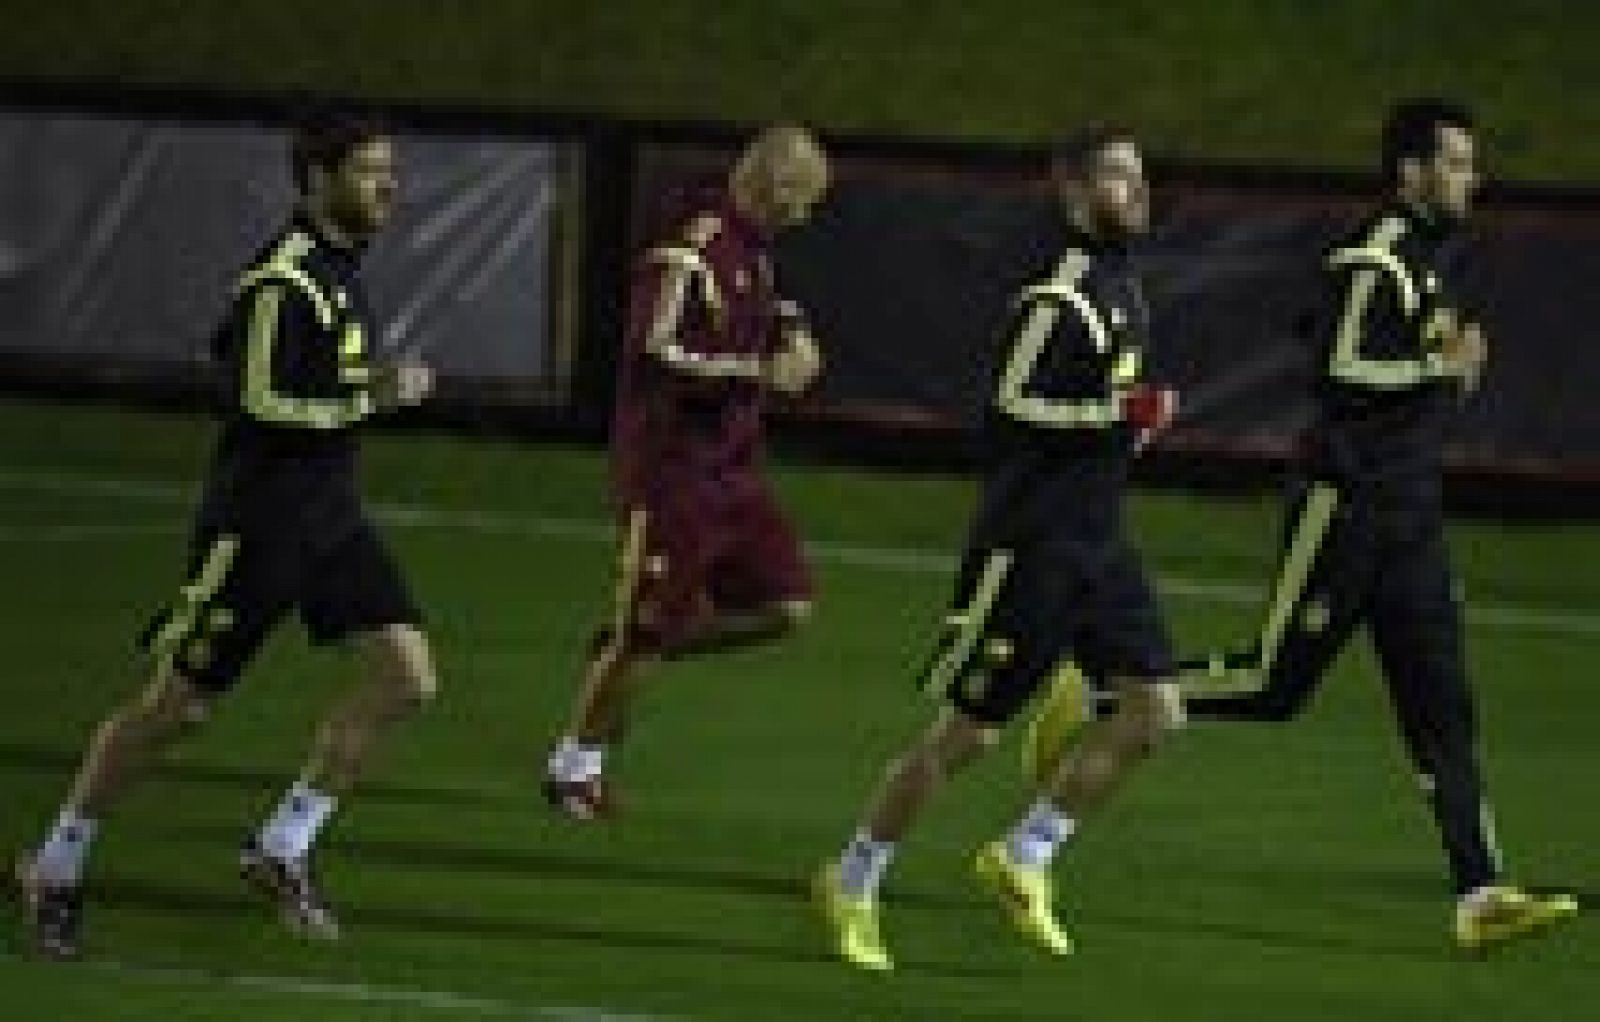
(771, 144)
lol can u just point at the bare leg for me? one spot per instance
(847, 886)
(398, 680)
(953, 741)
(121, 753)
(603, 710)
(129, 741)
(605, 698)
(612, 675)
(1110, 749)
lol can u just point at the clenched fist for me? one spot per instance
(404, 385)
(1466, 351)
(795, 368)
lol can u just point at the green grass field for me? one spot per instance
(1273, 873)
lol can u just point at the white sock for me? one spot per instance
(1477, 898)
(863, 864)
(574, 761)
(1039, 835)
(293, 827)
(60, 859)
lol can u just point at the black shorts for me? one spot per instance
(1018, 613)
(242, 582)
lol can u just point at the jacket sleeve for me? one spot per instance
(287, 348)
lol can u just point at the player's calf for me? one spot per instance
(48, 878)
(573, 784)
(1148, 713)
(399, 681)
(941, 751)
(847, 886)
(1109, 749)
(400, 662)
(953, 741)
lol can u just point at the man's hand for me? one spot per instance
(402, 386)
(1149, 410)
(1466, 351)
(796, 367)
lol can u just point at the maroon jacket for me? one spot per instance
(702, 322)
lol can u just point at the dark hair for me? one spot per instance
(1412, 129)
(324, 137)
(1075, 154)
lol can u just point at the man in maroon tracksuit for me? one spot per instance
(707, 560)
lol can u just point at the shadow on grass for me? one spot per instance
(141, 893)
(536, 863)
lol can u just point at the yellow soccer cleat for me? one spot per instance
(853, 921)
(1063, 713)
(1026, 896)
(1505, 913)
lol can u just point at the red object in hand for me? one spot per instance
(1150, 408)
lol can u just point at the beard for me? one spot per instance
(1114, 226)
(1455, 216)
(358, 219)
(1436, 201)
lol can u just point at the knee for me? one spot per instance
(793, 614)
(606, 643)
(418, 693)
(412, 691)
(168, 708)
(981, 740)
(931, 765)
(952, 743)
(403, 672)
(1151, 713)
(1174, 714)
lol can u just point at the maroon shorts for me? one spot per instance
(691, 552)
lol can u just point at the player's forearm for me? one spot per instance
(684, 361)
